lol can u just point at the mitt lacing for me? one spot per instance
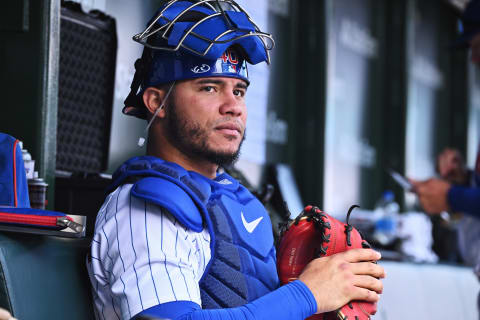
(348, 227)
(319, 221)
(311, 213)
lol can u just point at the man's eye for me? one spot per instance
(239, 93)
(208, 89)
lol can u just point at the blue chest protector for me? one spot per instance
(243, 263)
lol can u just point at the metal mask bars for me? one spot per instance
(163, 24)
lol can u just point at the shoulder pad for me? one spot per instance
(173, 198)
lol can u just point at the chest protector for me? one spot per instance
(242, 267)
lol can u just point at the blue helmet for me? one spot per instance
(470, 24)
(196, 39)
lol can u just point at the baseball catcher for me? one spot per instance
(314, 234)
(190, 242)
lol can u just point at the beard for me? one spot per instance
(192, 140)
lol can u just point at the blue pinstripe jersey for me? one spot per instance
(141, 257)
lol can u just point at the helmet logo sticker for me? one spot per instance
(228, 62)
(230, 56)
(201, 69)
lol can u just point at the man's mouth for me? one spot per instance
(230, 128)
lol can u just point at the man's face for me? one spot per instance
(206, 118)
(451, 167)
(475, 49)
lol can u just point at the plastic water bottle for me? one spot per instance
(386, 211)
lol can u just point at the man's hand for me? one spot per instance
(5, 315)
(432, 194)
(340, 278)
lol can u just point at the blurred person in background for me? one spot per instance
(449, 192)
(451, 167)
(458, 189)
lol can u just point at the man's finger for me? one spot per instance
(364, 294)
(368, 282)
(369, 269)
(415, 184)
(358, 255)
(413, 181)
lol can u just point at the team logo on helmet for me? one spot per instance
(201, 69)
(230, 62)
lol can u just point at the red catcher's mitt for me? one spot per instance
(315, 234)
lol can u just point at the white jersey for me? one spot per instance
(141, 256)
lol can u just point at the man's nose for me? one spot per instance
(232, 104)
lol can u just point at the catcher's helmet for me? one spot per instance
(196, 39)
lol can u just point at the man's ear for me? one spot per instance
(153, 98)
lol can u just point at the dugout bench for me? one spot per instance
(44, 277)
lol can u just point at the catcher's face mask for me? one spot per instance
(187, 40)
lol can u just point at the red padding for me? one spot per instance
(50, 221)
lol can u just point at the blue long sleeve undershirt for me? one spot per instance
(289, 302)
(465, 199)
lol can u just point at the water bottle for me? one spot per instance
(29, 163)
(386, 212)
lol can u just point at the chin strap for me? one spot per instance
(141, 140)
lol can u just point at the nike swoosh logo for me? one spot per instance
(250, 226)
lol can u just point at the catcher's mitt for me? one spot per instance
(315, 234)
